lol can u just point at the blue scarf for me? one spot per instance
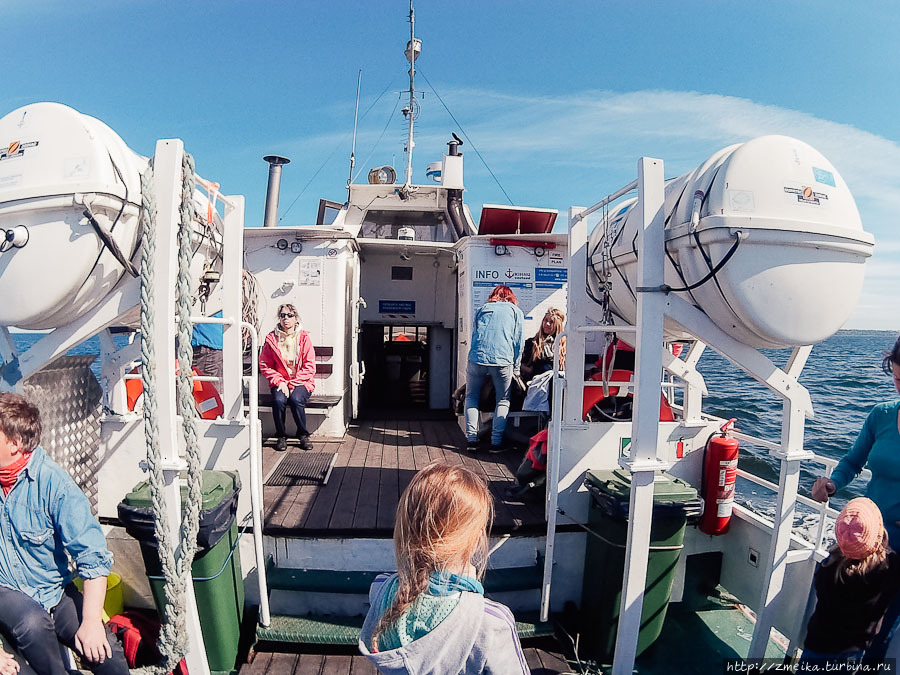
(445, 583)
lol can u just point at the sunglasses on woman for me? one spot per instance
(286, 316)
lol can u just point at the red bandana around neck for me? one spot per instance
(10, 474)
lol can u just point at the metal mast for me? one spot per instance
(355, 123)
(413, 48)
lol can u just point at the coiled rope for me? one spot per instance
(249, 308)
(175, 562)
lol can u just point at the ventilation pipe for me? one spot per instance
(273, 189)
(454, 196)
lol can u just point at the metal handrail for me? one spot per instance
(554, 442)
(256, 499)
(606, 200)
(822, 508)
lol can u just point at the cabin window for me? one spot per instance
(401, 273)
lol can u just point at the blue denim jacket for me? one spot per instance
(497, 335)
(44, 516)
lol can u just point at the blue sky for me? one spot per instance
(560, 98)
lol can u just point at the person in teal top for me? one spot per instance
(878, 447)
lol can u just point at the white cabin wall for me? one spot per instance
(480, 269)
(122, 457)
(432, 287)
(317, 283)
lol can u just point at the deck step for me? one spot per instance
(318, 630)
(500, 580)
(345, 630)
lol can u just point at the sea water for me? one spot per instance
(844, 378)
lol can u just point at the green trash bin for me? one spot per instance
(604, 561)
(218, 585)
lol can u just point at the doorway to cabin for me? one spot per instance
(407, 368)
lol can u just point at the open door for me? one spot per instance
(440, 367)
(357, 365)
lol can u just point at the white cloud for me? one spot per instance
(574, 149)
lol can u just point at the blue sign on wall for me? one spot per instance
(396, 307)
(550, 274)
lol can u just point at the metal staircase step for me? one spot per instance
(345, 630)
(319, 630)
(331, 581)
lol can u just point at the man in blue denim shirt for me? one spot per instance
(495, 352)
(44, 519)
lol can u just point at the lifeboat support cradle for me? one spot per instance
(654, 304)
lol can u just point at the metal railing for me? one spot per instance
(821, 508)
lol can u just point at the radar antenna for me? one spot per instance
(413, 49)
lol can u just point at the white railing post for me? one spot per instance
(577, 280)
(112, 373)
(8, 351)
(791, 453)
(693, 394)
(256, 492)
(554, 444)
(167, 188)
(643, 461)
(232, 256)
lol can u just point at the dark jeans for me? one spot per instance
(36, 633)
(297, 402)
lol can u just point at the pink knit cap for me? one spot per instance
(859, 528)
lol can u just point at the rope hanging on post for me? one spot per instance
(185, 385)
(175, 561)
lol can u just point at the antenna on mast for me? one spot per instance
(355, 122)
(413, 49)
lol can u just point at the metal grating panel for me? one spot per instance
(345, 630)
(68, 396)
(303, 468)
(320, 630)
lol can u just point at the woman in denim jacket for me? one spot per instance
(496, 352)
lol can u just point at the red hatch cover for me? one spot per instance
(499, 219)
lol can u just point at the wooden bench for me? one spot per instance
(318, 404)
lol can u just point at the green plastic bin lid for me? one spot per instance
(215, 486)
(617, 484)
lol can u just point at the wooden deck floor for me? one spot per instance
(376, 459)
(541, 663)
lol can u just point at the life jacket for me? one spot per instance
(537, 450)
(206, 397)
(138, 631)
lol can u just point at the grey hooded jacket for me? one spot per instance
(479, 636)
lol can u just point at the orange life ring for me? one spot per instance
(593, 395)
(206, 396)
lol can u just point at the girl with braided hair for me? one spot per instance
(431, 616)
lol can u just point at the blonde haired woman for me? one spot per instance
(537, 356)
(431, 616)
(288, 363)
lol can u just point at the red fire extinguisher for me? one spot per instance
(720, 460)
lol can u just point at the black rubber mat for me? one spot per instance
(302, 468)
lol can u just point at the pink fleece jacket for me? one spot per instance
(274, 369)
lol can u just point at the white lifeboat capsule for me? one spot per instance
(56, 165)
(765, 235)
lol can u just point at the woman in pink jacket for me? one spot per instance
(288, 363)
